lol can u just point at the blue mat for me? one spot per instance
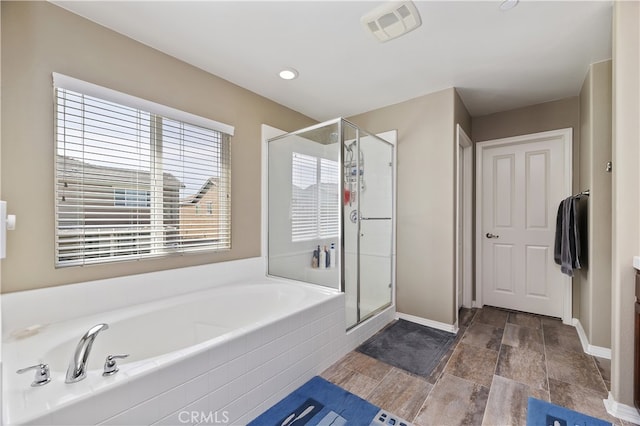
(319, 402)
(542, 413)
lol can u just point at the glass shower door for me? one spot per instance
(368, 224)
(376, 208)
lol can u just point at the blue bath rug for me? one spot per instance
(542, 413)
(321, 403)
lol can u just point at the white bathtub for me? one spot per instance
(156, 331)
(220, 355)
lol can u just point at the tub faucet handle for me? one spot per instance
(110, 365)
(42, 376)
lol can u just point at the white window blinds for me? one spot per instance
(315, 208)
(329, 199)
(132, 184)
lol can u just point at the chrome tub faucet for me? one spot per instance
(78, 365)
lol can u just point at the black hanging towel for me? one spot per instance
(566, 251)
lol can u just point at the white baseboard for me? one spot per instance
(451, 328)
(621, 411)
(598, 351)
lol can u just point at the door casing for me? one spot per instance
(566, 135)
(464, 219)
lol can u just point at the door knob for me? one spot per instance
(490, 235)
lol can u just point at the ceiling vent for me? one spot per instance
(391, 20)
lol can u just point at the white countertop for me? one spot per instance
(636, 262)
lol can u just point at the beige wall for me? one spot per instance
(626, 193)
(39, 38)
(552, 115)
(426, 199)
(559, 114)
(461, 115)
(595, 152)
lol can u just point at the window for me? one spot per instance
(131, 182)
(131, 198)
(315, 201)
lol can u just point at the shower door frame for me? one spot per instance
(392, 255)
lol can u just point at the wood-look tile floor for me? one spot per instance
(498, 360)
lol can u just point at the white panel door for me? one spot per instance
(522, 181)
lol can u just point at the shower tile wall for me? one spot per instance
(288, 258)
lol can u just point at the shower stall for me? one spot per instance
(331, 213)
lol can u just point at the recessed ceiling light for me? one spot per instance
(288, 74)
(508, 4)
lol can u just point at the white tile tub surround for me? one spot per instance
(230, 381)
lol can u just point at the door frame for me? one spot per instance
(566, 136)
(464, 214)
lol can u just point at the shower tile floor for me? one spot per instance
(498, 360)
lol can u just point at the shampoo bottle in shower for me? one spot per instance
(327, 260)
(314, 259)
(322, 259)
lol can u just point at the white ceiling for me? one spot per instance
(537, 52)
